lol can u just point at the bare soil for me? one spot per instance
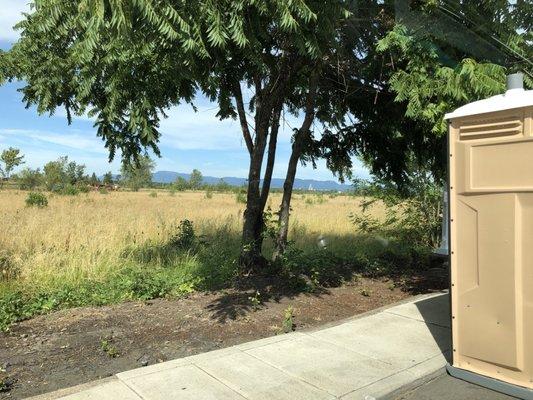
(75, 346)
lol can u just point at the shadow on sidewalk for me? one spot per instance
(436, 314)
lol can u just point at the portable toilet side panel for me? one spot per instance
(491, 232)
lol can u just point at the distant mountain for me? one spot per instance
(171, 176)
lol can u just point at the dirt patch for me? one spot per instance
(74, 346)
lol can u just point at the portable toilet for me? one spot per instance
(491, 240)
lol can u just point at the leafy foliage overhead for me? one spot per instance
(126, 62)
(423, 59)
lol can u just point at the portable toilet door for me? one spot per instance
(491, 240)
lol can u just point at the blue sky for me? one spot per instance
(189, 140)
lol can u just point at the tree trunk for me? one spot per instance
(251, 257)
(253, 222)
(272, 144)
(301, 136)
(285, 207)
(268, 105)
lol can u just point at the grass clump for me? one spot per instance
(8, 268)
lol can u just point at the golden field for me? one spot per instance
(87, 236)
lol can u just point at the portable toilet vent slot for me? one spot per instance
(491, 240)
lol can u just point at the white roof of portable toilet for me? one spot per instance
(513, 98)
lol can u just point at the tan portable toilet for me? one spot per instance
(491, 240)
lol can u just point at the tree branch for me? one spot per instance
(242, 117)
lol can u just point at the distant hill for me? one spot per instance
(171, 176)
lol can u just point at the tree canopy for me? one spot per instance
(137, 174)
(11, 158)
(429, 58)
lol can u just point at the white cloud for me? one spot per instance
(10, 14)
(185, 129)
(73, 140)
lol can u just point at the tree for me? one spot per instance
(430, 57)
(54, 174)
(29, 178)
(222, 185)
(107, 178)
(11, 158)
(87, 57)
(181, 184)
(136, 175)
(94, 181)
(411, 63)
(62, 173)
(196, 179)
(75, 172)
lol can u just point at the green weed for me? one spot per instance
(288, 320)
(255, 300)
(109, 349)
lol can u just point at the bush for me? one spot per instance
(103, 190)
(413, 217)
(36, 199)
(29, 178)
(82, 188)
(66, 190)
(320, 266)
(208, 194)
(153, 194)
(240, 197)
(185, 237)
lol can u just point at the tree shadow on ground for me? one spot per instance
(306, 268)
(314, 273)
(250, 293)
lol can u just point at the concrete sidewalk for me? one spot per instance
(361, 358)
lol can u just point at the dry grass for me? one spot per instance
(85, 236)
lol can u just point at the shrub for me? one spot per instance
(208, 194)
(103, 190)
(320, 267)
(153, 194)
(67, 190)
(413, 217)
(185, 237)
(36, 199)
(82, 188)
(29, 178)
(240, 197)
